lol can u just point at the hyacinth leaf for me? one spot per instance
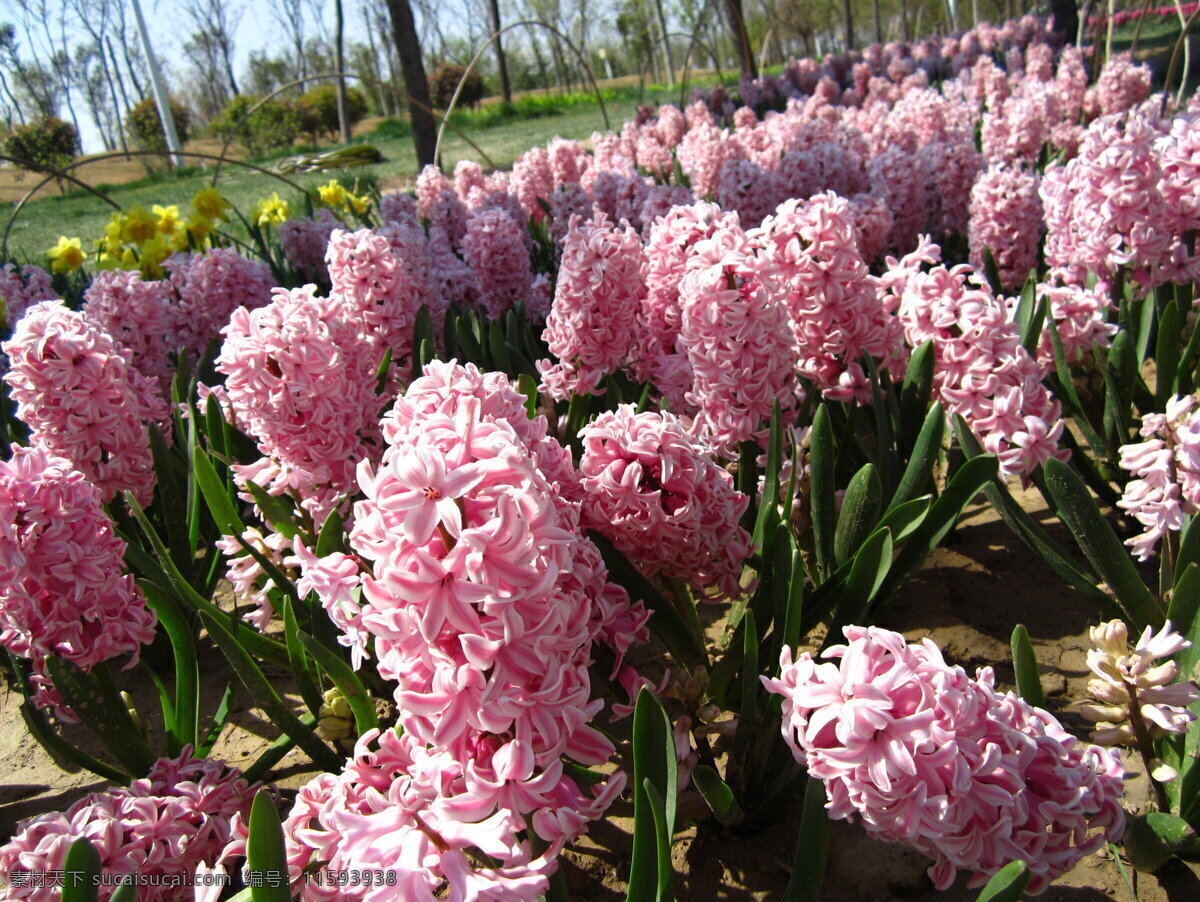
(422, 330)
(302, 671)
(193, 492)
(467, 342)
(499, 348)
(1118, 368)
(1166, 355)
(173, 505)
(527, 386)
(224, 512)
(812, 847)
(1151, 840)
(215, 426)
(278, 512)
(991, 271)
(784, 591)
(821, 485)
(1029, 685)
(1064, 389)
(964, 485)
(904, 520)
(664, 620)
(1031, 533)
(1186, 379)
(126, 892)
(64, 753)
(768, 510)
(1006, 884)
(332, 537)
(217, 724)
(163, 572)
(1100, 544)
(654, 767)
(1189, 549)
(748, 709)
(274, 753)
(1184, 614)
(747, 481)
(867, 574)
(187, 669)
(267, 698)
(919, 472)
(718, 795)
(98, 704)
(917, 388)
(81, 873)
(886, 460)
(381, 372)
(1147, 312)
(347, 682)
(266, 853)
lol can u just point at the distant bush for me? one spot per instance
(273, 124)
(444, 81)
(144, 127)
(43, 143)
(317, 110)
(390, 128)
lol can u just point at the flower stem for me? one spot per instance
(1145, 748)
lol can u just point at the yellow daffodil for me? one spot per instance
(200, 227)
(358, 204)
(209, 204)
(270, 211)
(67, 255)
(111, 242)
(154, 252)
(332, 194)
(140, 226)
(168, 218)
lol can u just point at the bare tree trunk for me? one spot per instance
(404, 32)
(741, 40)
(849, 22)
(1064, 20)
(501, 63)
(666, 43)
(878, 23)
(339, 63)
(376, 68)
(540, 60)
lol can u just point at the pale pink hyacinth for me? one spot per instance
(1080, 317)
(63, 588)
(398, 206)
(926, 756)
(160, 828)
(738, 342)
(246, 575)
(496, 250)
(832, 304)
(20, 288)
(1124, 675)
(78, 392)
(1122, 85)
(1006, 219)
(482, 599)
(304, 241)
(208, 288)
(662, 500)
(598, 296)
(1167, 470)
(137, 314)
(657, 358)
(379, 281)
(298, 383)
(981, 370)
(533, 182)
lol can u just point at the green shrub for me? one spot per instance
(272, 124)
(444, 81)
(43, 144)
(317, 110)
(144, 127)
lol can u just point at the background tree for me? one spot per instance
(408, 45)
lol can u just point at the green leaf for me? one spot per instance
(654, 766)
(812, 847)
(173, 505)
(349, 685)
(943, 514)
(867, 574)
(992, 272)
(905, 519)
(1151, 840)
(665, 621)
(768, 508)
(332, 536)
(126, 892)
(278, 513)
(302, 671)
(1184, 614)
(821, 487)
(747, 723)
(381, 372)
(1100, 544)
(919, 472)
(216, 494)
(187, 667)
(717, 794)
(1006, 884)
(1031, 533)
(793, 617)
(217, 724)
(917, 388)
(499, 348)
(100, 706)
(266, 853)
(528, 386)
(1029, 685)
(1166, 355)
(860, 512)
(81, 873)
(267, 698)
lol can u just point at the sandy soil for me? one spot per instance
(967, 598)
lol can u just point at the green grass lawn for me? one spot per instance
(82, 215)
